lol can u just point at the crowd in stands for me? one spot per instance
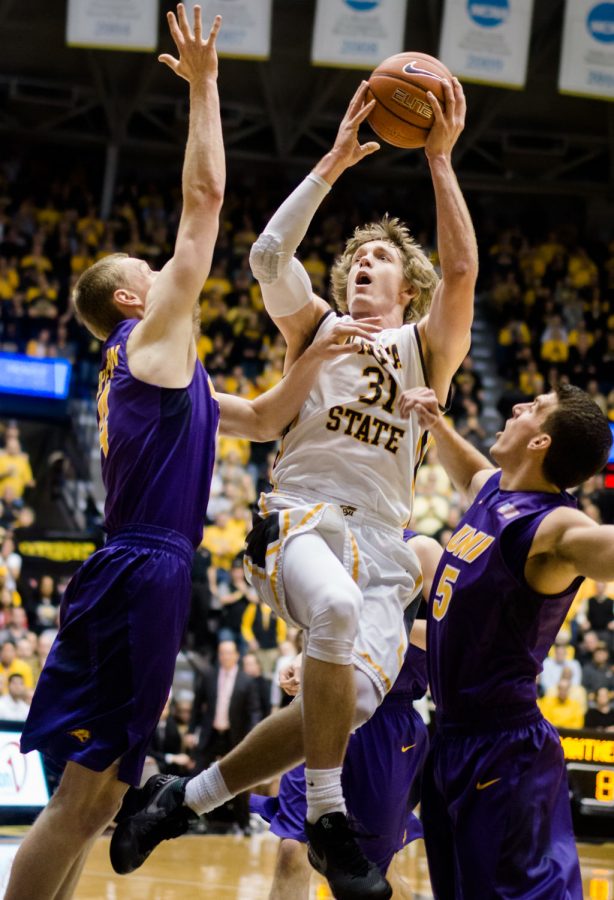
(553, 305)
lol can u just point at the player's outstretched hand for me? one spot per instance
(449, 123)
(424, 401)
(347, 148)
(338, 341)
(290, 677)
(197, 57)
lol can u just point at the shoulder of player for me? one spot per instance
(553, 528)
(164, 360)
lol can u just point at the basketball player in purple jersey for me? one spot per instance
(110, 670)
(381, 770)
(495, 811)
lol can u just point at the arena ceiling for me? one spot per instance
(284, 111)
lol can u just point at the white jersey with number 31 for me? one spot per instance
(349, 443)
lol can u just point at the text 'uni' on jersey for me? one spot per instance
(157, 445)
(488, 630)
(349, 442)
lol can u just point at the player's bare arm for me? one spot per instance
(568, 543)
(265, 418)
(467, 468)
(162, 345)
(285, 284)
(446, 329)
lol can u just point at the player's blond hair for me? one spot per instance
(93, 295)
(418, 270)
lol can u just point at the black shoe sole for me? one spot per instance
(384, 894)
(122, 854)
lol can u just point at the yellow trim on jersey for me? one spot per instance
(378, 669)
(282, 538)
(355, 558)
(263, 504)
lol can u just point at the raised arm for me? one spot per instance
(467, 468)
(568, 543)
(446, 331)
(265, 418)
(286, 288)
(168, 319)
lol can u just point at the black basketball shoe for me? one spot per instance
(157, 814)
(334, 853)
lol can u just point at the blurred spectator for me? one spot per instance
(560, 709)
(561, 659)
(43, 646)
(600, 610)
(167, 747)
(46, 608)
(234, 600)
(11, 665)
(601, 715)
(13, 704)
(263, 630)
(226, 708)
(251, 666)
(598, 672)
(15, 470)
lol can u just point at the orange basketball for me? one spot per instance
(402, 115)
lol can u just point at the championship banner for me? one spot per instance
(357, 34)
(587, 57)
(113, 24)
(246, 26)
(487, 41)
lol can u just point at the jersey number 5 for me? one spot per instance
(443, 594)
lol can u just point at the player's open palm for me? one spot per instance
(347, 147)
(449, 120)
(197, 56)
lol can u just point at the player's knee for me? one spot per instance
(339, 612)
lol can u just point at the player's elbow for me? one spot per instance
(265, 258)
(207, 196)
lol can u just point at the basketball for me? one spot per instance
(402, 115)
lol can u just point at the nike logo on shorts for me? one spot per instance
(405, 749)
(484, 784)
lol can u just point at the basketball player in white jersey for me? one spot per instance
(327, 552)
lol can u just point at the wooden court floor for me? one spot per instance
(238, 868)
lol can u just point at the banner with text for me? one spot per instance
(246, 26)
(357, 34)
(487, 41)
(113, 24)
(587, 57)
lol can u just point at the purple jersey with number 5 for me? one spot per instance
(488, 630)
(157, 445)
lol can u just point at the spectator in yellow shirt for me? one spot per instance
(15, 469)
(11, 665)
(561, 710)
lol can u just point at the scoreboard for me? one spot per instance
(589, 757)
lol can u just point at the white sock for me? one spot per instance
(207, 791)
(324, 794)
